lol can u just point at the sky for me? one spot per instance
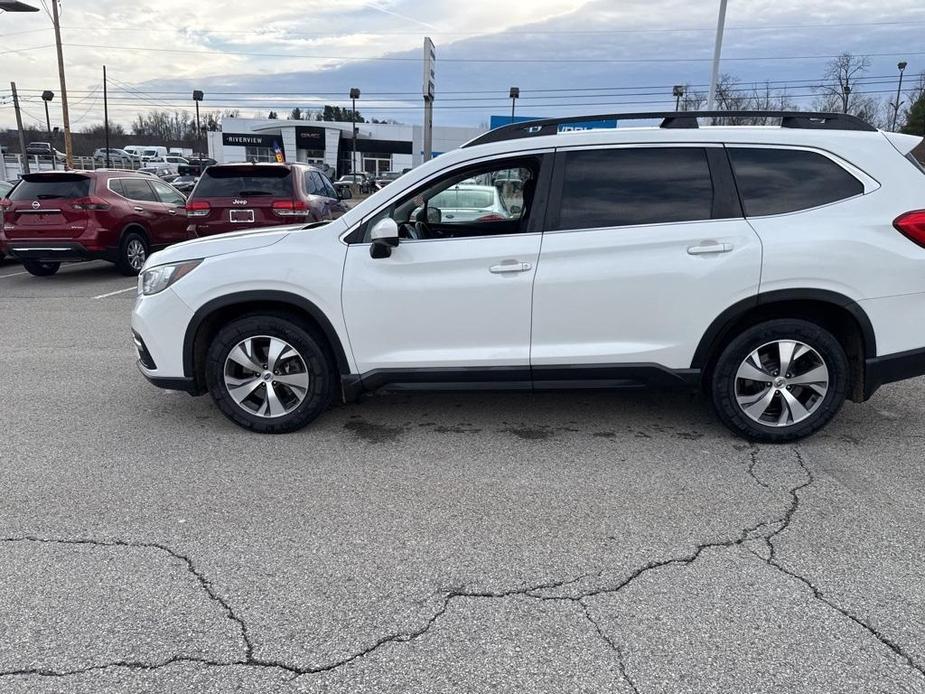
(567, 56)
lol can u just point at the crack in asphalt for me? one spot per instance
(772, 528)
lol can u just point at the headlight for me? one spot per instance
(157, 279)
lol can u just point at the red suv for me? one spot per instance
(229, 197)
(119, 216)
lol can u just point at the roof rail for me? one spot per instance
(675, 119)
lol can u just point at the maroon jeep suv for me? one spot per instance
(119, 216)
(230, 197)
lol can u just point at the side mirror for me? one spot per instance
(434, 215)
(384, 237)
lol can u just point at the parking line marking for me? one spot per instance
(119, 291)
(13, 274)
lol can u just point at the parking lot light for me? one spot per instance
(677, 92)
(901, 66)
(16, 6)
(47, 96)
(354, 95)
(514, 95)
(197, 97)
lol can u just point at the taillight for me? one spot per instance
(89, 204)
(5, 204)
(197, 208)
(290, 208)
(912, 226)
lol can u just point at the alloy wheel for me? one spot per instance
(781, 383)
(266, 376)
(135, 252)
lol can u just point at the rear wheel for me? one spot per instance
(133, 252)
(780, 381)
(40, 269)
(269, 374)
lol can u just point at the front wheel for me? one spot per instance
(269, 374)
(40, 269)
(780, 381)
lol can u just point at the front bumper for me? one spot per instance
(159, 326)
(890, 368)
(187, 385)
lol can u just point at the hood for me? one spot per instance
(222, 243)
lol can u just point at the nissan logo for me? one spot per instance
(36, 205)
(239, 202)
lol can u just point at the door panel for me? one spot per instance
(638, 294)
(441, 303)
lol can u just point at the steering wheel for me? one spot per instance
(409, 230)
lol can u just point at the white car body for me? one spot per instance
(641, 298)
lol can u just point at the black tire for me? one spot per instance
(40, 269)
(129, 261)
(821, 408)
(310, 347)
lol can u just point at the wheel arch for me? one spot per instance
(209, 318)
(137, 227)
(839, 314)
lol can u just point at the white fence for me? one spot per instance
(11, 165)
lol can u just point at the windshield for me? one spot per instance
(224, 183)
(461, 199)
(49, 188)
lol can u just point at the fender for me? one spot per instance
(719, 328)
(294, 300)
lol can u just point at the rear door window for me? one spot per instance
(634, 185)
(63, 186)
(777, 181)
(138, 189)
(219, 182)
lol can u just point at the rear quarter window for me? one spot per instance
(51, 188)
(777, 181)
(228, 183)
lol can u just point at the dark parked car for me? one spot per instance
(43, 149)
(184, 183)
(119, 216)
(230, 197)
(195, 166)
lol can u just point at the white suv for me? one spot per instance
(781, 269)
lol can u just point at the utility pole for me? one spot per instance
(845, 98)
(197, 97)
(47, 96)
(717, 51)
(515, 95)
(902, 68)
(354, 95)
(106, 117)
(22, 139)
(65, 118)
(430, 59)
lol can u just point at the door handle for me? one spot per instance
(510, 266)
(172, 211)
(139, 209)
(709, 248)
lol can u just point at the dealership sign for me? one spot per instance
(309, 137)
(251, 140)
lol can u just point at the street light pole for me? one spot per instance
(24, 161)
(677, 92)
(354, 95)
(47, 96)
(515, 95)
(902, 68)
(197, 97)
(846, 98)
(65, 118)
(717, 51)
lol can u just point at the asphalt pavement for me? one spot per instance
(565, 542)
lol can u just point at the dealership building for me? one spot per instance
(380, 147)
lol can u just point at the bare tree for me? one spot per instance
(840, 90)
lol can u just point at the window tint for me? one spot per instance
(494, 199)
(774, 181)
(619, 187)
(115, 185)
(311, 185)
(138, 189)
(168, 194)
(327, 186)
(219, 182)
(65, 186)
